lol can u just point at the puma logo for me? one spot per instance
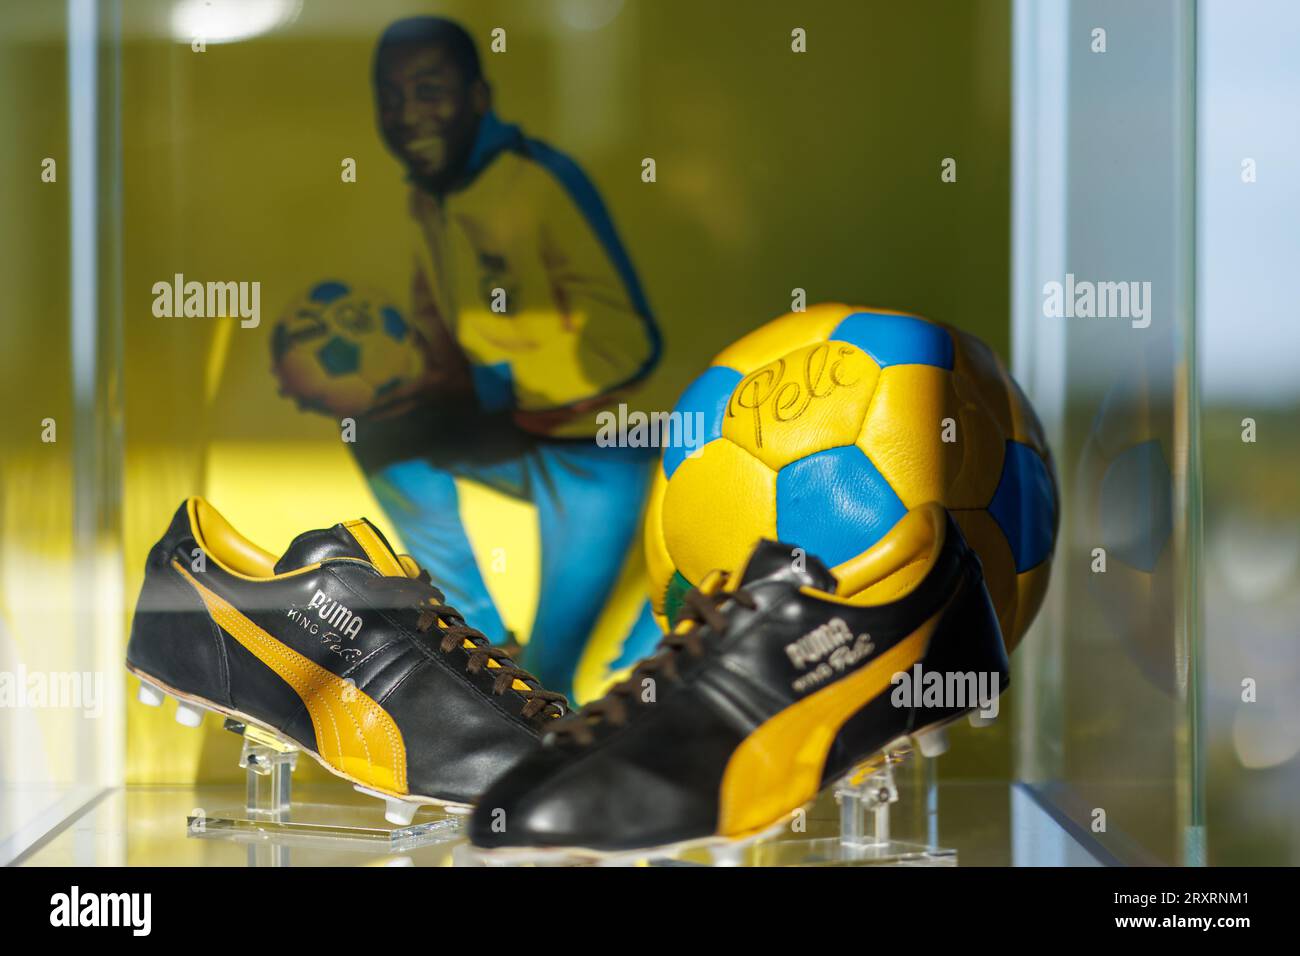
(339, 617)
(821, 641)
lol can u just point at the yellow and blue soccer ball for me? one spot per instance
(345, 350)
(823, 427)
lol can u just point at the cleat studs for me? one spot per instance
(150, 696)
(978, 720)
(399, 812)
(727, 854)
(932, 743)
(188, 715)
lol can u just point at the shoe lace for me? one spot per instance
(420, 593)
(700, 608)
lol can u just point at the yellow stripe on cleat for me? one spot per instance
(383, 559)
(353, 733)
(778, 768)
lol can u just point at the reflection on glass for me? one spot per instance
(1103, 322)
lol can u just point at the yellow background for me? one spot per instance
(775, 170)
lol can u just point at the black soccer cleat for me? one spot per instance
(772, 688)
(340, 646)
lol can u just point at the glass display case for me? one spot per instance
(1094, 188)
(1104, 330)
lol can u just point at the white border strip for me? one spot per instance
(1039, 176)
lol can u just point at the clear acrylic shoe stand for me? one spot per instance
(884, 813)
(871, 830)
(270, 816)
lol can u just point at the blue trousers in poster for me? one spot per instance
(588, 499)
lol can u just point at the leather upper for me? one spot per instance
(745, 712)
(323, 610)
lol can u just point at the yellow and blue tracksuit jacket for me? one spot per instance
(528, 232)
(575, 337)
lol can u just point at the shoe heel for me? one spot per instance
(968, 643)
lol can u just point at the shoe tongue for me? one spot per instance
(351, 539)
(774, 561)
